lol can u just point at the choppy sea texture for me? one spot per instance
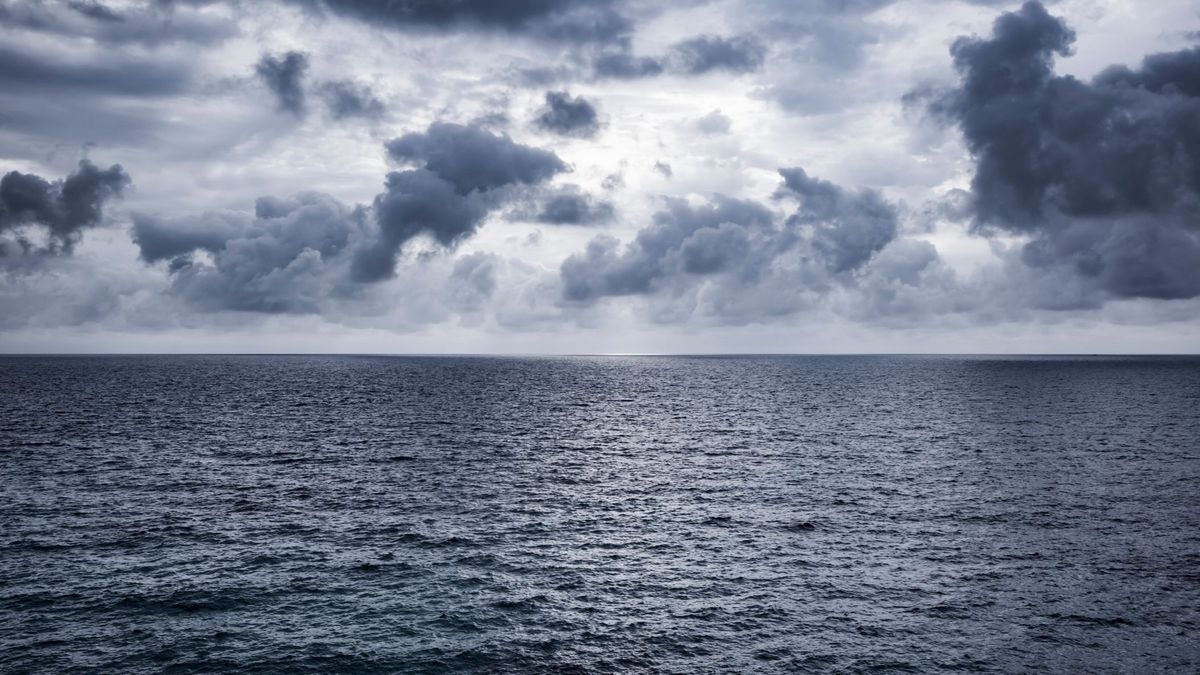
(742, 514)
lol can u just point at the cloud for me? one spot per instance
(696, 56)
(714, 123)
(114, 74)
(568, 116)
(286, 259)
(474, 159)
(463, 173)
(705, 53)
(64, 208)
(1103, 177)
(617, 62)
(162, 239)
(151, 24)
(571, 206)
(284, 76)
(847, 228)
(738, 261)
(346, 99)
(604, 269)
(664, 168)
(416, 202)
(552, 20)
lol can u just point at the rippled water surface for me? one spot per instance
(609, 514)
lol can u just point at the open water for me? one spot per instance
(599, 514)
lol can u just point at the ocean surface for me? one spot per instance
(599, 514)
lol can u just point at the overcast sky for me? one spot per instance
(600, 176)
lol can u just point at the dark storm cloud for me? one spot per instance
(346, 99)
(284, 76)
(63, 207)
(740, 248)
(463, 173)
(568, 116)
(1103, 175)
(417, 202)
(704, 53)
(559, 20)
(472, 158)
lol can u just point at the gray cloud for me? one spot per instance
(346, 99)
(284, 76)
(162, 239)
(847, 229)
(695, 56)
(714, 123)
(416, 202)
(571, 206)
(286, 259)
(1104, 176)
(737, 259)
(64, 208)
(296, 252)
(618, 62)
(568, 116)
(474, 159)
(705, 53)
(603, 269)
(114, 74)
(556, 20)
(464, 172)
(150, 24)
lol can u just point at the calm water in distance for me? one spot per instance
(599, 514)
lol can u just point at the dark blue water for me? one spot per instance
(773, 514)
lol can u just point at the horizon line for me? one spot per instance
(596, 354)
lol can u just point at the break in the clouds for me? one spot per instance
(552, 174)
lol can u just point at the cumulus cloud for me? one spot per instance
(1103, 177)
(463, 172)
(285, 259)
(738, 260)
(568, 116)
(283, 75)
(63, 208)
(847, 228)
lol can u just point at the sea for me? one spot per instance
(599, 514)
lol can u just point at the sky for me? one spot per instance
(600, 176)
